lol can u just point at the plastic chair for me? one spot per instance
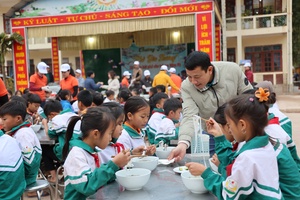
(39, 186)
(58, 182)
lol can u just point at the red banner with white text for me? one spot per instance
(218, 42)
(20, 61)
(205, 33)
(55, 58)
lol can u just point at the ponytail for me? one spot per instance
(69, 135)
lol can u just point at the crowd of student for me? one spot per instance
(95, 137)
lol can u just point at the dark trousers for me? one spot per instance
(49, 157)
(3, 100)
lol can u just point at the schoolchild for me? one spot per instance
(284, 121)
(158, 114)
(13, 114)
(254, 171)
(12, 173)
(97, 98)
(58, 123)
(110, 96)
(136, 117)
(123, 96)
(84, 172)
(33, 105)
(289, 181)
(65, 97)
(169, 126)
(115, 147)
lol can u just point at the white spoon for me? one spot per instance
(165, 161)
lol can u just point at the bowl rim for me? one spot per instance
(161, 149)
(147, 172)
(183, 175)
(152, 158)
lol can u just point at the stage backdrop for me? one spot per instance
(152, 57)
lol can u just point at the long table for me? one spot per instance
(163, 184)
(43, 138)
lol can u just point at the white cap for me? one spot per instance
(65, 67)
(78, 71)
(146, 73)
(42, 67)
(247, 65)
(172, 70)
(126, 73)
(164, 67)
(136, 63)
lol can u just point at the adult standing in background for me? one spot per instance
(176, 79)
(49, 75)
(113, 83)
(146, 81)
(208, 86)
(162, 78)
(79, 78)
(68, 82)
(248, 72)
(137, 74)
(38, 82)
(3, 93)
(89, 82)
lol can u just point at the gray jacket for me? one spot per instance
(228, 82)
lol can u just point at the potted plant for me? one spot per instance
(247, 21)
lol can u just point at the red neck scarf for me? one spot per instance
(97, 159)
(274, 120)
(118, 146)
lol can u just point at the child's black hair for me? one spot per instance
(19, 99)
(85, 97)
(219, 116)
(52, 106)
(248, 107)
(63, 93)
(125, 94)
(271, 98)
(171, 104)
(136, 91)
(13, 108)
(153, 90)
(134, 104)
(99, 118)
(109, 93)
(32, 98)
(162, 88)
(158, 97)
(116, 109)
(98, 98)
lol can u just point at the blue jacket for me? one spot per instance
(89, 84)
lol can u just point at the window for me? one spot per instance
(231, 54)
(265, 58)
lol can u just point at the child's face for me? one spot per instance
(33, 107)
(139, 119)
(161, 103)
(51, 115)
(11, 121)
(104, 140)
(119, 126)
(235, 130)
(111, 97)
(226, 131)
(176, 114)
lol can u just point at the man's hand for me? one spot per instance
(46, 89)
(178, 152)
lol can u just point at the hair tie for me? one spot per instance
(262, 94)
(251, 99)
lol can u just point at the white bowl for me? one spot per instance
(163, 154)
(133, 179)
(194, 183)
(36, 127)
(213, 166)
(148, 162)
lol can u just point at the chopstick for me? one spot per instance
(204, 119)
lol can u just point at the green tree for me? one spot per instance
(296, 34)
(6, 45)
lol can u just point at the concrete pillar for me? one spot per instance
(224, 44)
(239, 47)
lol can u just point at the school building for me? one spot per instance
(68, 31)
